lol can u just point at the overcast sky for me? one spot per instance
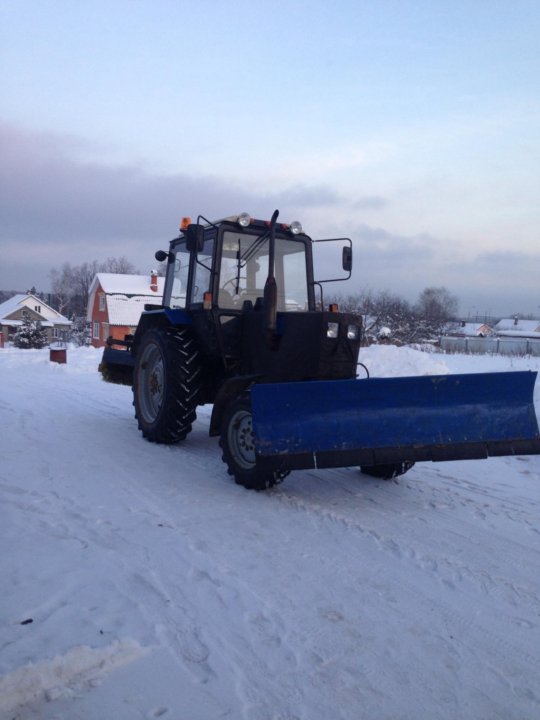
(411, 126)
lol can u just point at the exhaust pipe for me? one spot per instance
(270, 289)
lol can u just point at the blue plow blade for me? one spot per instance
(339, 423)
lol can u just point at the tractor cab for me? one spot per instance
(225, 265)
(249, 289)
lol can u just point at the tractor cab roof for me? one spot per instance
(244, 220)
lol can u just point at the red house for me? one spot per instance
(115, 303)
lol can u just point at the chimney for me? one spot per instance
(516, 319)
(153, 281)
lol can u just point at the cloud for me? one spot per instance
(500, 270)
(58, 206)
(50, 195)
(302, 196)
(369, 202)
(501, 282)
(394, 245)
(507, 261)
(383, 260)
(491, 283)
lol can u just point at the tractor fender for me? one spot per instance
(162, 317)
(230, 389)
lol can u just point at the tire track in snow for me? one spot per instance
(413, 517)
(409, 545)
(483, 500)
(175, 630)
(169, 611)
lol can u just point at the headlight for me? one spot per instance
(352, 332)
(244, 219)
(295, 227)
(333, 329)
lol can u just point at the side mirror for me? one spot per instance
(194, 237)
(346, 259)
(161, 255)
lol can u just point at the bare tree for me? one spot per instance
(71, 284)
(437, 303)
(358, 303)
(121, 266)
(83, 276)
(393, 313)
(62, 286)
(383, 313)
(436, 307)
(388, 315)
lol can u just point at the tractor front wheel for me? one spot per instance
(166, 384)
(238, 445)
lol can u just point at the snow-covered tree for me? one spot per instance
(31, 334)
(401, 321)
(382, 311)
(80, 331)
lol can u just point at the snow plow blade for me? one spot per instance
(376, 421)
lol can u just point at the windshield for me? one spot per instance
(244, 269)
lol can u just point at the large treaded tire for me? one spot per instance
(239, 450)
(166, 384)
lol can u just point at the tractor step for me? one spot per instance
(379, 421)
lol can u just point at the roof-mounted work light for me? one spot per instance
(244, 219)
(295, 227)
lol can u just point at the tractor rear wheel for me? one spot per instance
(238, 445)
(166, 384)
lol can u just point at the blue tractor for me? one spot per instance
(242, 326)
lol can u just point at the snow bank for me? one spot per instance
(51, 679)
(392, 361)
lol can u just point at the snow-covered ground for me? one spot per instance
(139, 582)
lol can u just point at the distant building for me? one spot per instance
(470, 329)
(115, 303)
(516, 327)
(56, 325)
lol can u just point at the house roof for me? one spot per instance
(21, 300)
(44, 323)
(123, 310)
(115, 283)
(522, 328)
(470, 329)
(125, 296)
